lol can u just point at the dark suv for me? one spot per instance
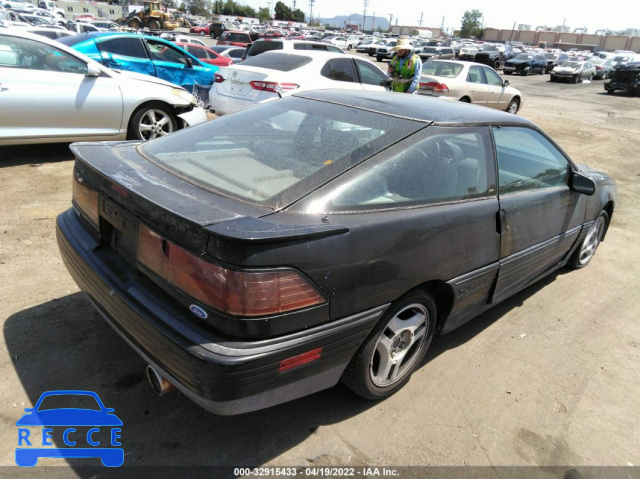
(217, 29)
(625, 78)
(494, 55)
(526, 63)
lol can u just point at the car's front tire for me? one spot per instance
(587, 249)
(394, 348)
(151, 121)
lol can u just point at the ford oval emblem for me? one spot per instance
(198, 311)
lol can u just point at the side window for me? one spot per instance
(370, 74)
(127, 47)
(340, 69)
(29, 54)
(163, 52)
(446, 164)
(492, 77)
(197, 52)
(527, 161)
(475, 75)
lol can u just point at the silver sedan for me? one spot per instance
(51, 93)
(469, 82)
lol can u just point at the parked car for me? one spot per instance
(176, 38)
(295, 36)
(51, 16)
(11, 19)
(270, 44)
(216, 29)
(273, 33)
(52, 33)
(468, 53)
(364, 46)
(273, 74)
(622, 59)
(145, 54)
(321, 237)
(470, 83)
(73, 98)
(202, 29)
(526, 63)
(235, 38)
(82, 27)
(206, 55)
(371, 51)
(235, 53)
(344, 42)
(433, 53)
(494, 55)
(626, 78)
(604, 68)
(555, 59)
(573, 71)
(385, 52)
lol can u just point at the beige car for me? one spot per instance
(469, 82)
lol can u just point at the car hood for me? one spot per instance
(561, 69)
(126, 75)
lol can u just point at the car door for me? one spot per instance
(343, 73)
(497, 97)
(540, 217)
(477, 85)
(371, 77)
(45, 92)
(126, 53)
(175, 66)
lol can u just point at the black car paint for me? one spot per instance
(524, 67)
(494, 58)
(359, 276)
(625, 78)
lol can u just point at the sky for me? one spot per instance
(611, 14)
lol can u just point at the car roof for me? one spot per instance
(417, 107)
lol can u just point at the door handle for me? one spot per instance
(3, 88)
(501, 222)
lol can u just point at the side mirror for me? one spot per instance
(93, 70)
(582, 184)
(189, 62)
(506, 83)
(386, 82)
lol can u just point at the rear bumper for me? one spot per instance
(223, 375)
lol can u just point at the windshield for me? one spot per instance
(275, 154)
(490, 49)
(572, 64)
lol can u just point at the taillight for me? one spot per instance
(273, 86)
(86, 198)
(598, 68)
(239, 293)
(434, 86)
(217, 78)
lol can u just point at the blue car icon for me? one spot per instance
(69, 417)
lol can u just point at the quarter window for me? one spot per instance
(527, 161)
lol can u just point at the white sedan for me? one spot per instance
(51, 93)
(273, 74)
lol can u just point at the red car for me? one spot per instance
(206, 55)
(235, 38)
(295, 36)
(272, 34)
(202, 29)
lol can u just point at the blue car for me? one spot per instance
(145, 54)
(96, 416)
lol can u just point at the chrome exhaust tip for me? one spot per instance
(159, 384)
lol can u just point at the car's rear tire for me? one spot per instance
(591, 77)
(394, 348)
(379, 58)
(151, 121)
(587, 249)
(514, 106)
(465, 99)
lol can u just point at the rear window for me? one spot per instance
(277, 153)
(283, 62)
(238, 37)
(442, 69)
(260, 47)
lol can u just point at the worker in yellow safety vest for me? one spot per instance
(405, 67)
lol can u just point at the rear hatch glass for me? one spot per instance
(273, 155)
(262, 46)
